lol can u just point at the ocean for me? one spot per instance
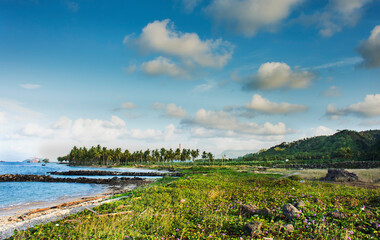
(16, 194)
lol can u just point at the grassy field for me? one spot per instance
(204, 204)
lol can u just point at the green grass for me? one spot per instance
(204, 205)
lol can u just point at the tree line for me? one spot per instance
(110, 157)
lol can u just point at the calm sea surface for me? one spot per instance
(19, 193)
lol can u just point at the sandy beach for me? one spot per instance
(29, 215)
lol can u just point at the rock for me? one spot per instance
(288, 228)
(253, 228)
(337, 214)
(265, 212)
(300, 204)
(340, 175)
(247, 210)
(290, 211)
(316, 200)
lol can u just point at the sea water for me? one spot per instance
(19, 193)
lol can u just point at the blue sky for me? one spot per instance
(224, 76)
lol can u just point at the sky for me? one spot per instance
(226, 76)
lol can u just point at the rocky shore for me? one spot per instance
(113, 173)
(46, 178)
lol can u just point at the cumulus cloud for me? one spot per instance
(278, 75)
(369, 108)
(332, 91)
(220, 120)
(80, 129)
(247, 17)
(3, 119)
(163, 66)
(175, 111)
(161, 37)
(336, 15)
(170, 110)
(370, 49)
(263, 105)
(30, 86)
(320, 131)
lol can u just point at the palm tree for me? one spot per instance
(127, 154)
(210, 157)
(194, 154)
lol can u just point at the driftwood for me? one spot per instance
(113, 214)
(68, 204)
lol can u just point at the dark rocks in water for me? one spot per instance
(253, 228)
(337, 214)
(340, 175)
(290, 211)
(44, 178)
(113, 173)
(247, 210)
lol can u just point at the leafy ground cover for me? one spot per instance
(204, 204)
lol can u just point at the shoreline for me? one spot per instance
(34, 213)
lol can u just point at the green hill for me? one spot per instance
(345, 144)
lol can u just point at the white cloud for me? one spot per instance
(62, 123)
(190, 4)
(320, 131)
(130, 69)
(369, 108)
(161, 37)
(263, 105)
(30, 86)
(157, 106)
(163, 66)
(332, 91)
(128, 105)
(81, 129)
(175, 111)
(337, 15)
(247, 17)
(276, 75)
(3, 119)
(210, 84)
(341, 63)
(221, 120)
(370, 49)
(34, 130)
(18, 111)
(170, 110)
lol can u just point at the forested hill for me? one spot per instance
(345, 144)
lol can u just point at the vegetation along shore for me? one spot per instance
(245, 198)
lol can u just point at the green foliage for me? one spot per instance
(205, 205)
(348, 145)
(101, 156)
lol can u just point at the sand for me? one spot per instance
(21, 219)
